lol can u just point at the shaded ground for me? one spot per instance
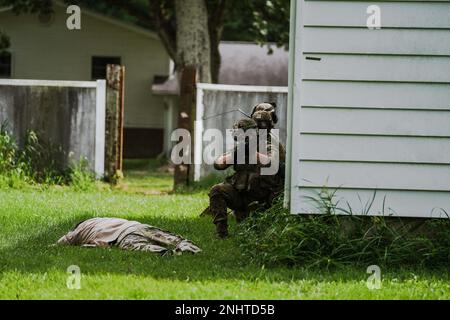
(32, 220)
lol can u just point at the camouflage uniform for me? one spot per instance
(247, 185)
(128, 235)
(151, 239)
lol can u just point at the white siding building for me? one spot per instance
(370, 108)
(50, 51)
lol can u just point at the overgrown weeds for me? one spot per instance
(38, 162)
(328, 240)
(80, 177)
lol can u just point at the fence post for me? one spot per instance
(185, 120)
(100, 134)
(114, 122)
(198, 140)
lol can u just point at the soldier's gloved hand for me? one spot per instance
(187, 246)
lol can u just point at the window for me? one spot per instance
(5, 65)
(99, 64)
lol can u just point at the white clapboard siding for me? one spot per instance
(376, 122)
(411, 14)
(385, 202)
(371, 108)
(374, 175)
(384, 41)
(424, 96)
(377, 68)
(374, 148)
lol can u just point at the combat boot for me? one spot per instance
(218, 207)
(222, 229)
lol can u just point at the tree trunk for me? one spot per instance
(216, 12)
(193, 49)
(192, 39)
(185, 121)
(215, 59)
(114, 122)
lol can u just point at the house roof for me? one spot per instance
(246, 63)
(243, 63)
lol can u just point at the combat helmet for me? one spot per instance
(264, 115)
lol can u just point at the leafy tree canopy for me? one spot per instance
(261, 21)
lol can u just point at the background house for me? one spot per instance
(43, 48)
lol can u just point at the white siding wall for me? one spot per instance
(55, 53)
(371, 111)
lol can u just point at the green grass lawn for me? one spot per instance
(31, 220)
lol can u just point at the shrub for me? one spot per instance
(277, 237)
(81, 179)
(43, 160)
(12, 170)
(37, 162)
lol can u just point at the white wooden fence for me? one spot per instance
(69, 113)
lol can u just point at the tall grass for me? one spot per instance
(328, 240)
(38, 162)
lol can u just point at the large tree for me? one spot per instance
(193, 46)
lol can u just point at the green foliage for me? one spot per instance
(261, 21)
(38, 162)
(130, 11)
(28, 6)
(329, 240)
(12, 169)
(42, 160)
(80, 177)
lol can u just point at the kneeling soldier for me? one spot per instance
(247, 184)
